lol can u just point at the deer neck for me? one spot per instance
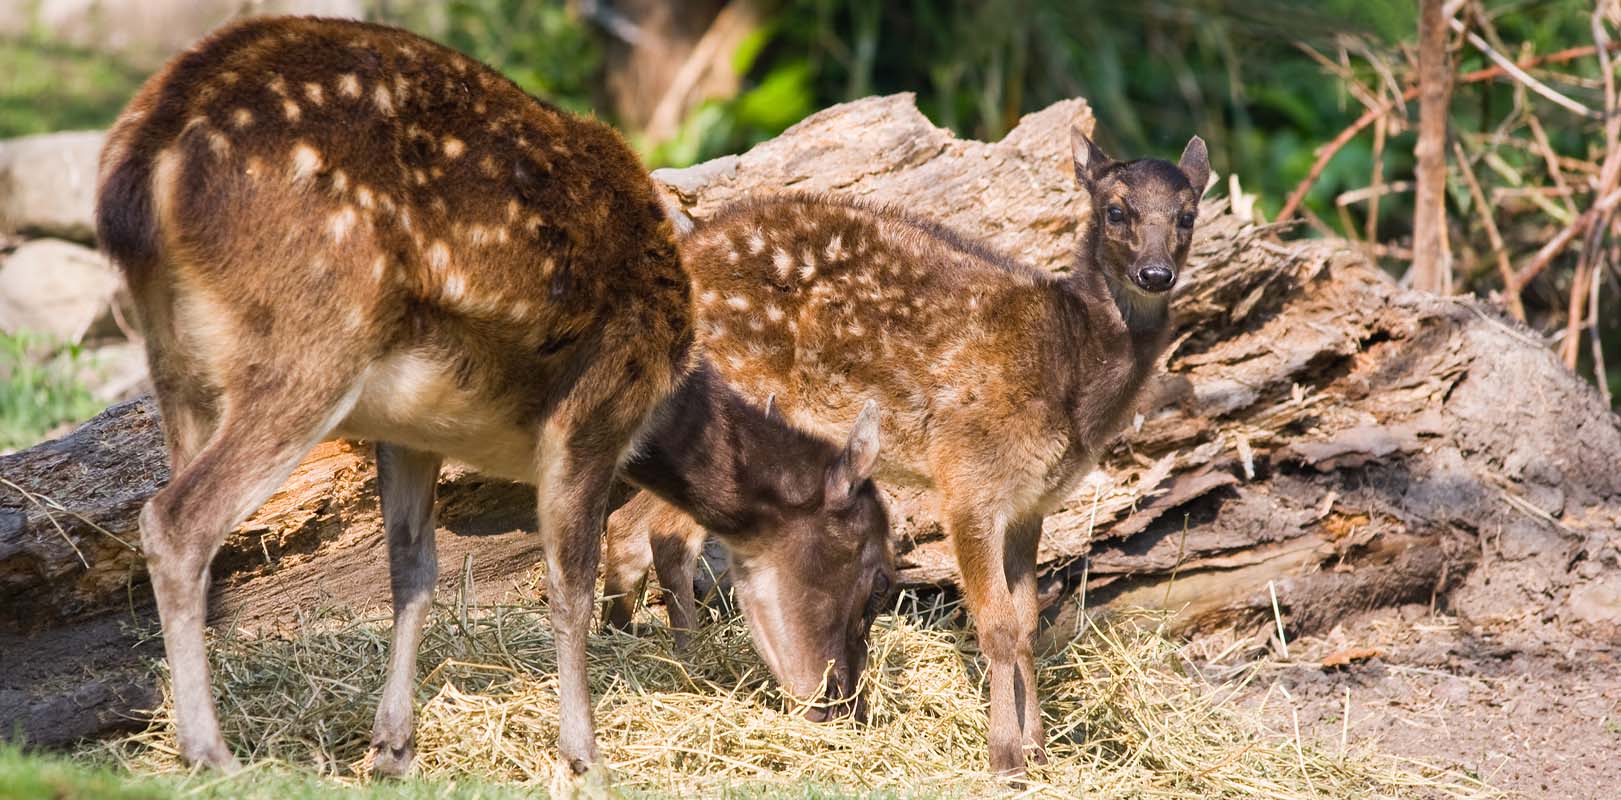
(712, 454)
(1146, 318)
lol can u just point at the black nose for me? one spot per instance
(1156, 278)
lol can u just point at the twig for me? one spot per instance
(1277, 615)
(1372, 193)
(1328, 151)
(1513, 71)
(1431, 269)
(1551, 157)
(1557, 244)
(1504, 268)
(61, 531)
(1600, 374)
(1380, 128)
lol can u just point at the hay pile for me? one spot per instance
(1127, 716)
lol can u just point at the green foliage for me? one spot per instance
(50, 87)
(27, 776)
(39, 389)
(540, 46)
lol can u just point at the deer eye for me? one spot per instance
(878, 599)
(1116, 214)
(1186, 220)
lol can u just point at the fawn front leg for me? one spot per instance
(675, 557)
(1019, 563)
(980, 545)
(406, 480)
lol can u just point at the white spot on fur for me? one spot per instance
(455, 287)
(835, 248)
(313, 93)
(340, 224)
(773, 313)
(708, 297)
(241, 118)
(340, 180)
(807, 271)
(384, 100)
(520, 310)
(783, 263)
(349, 85)
(756, 242)
(454, 147)
(738, 302)
(438, 255)
(291, 111)
(306, 161)
(218, 143)
(378, 266)
(363, 196)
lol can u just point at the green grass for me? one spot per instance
(53, 87)
(39, 389)
(27, 776)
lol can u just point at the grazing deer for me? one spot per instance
(1002, 385)
(334, 229)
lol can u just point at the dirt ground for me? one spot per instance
(1536, 713)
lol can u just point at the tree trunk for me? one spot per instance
(1319, 433)
(1432, 256)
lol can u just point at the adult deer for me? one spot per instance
(1002, 384)
(338, 229)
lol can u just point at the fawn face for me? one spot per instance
(821, 572)
(1142, 213)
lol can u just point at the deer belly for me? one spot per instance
(412, 399)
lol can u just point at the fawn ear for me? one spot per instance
(1088, 159)
(860, 456)
(1195, 165)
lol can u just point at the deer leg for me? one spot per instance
(186, 428)
(246, 459)
(629, 558)
(675, 556)
(406, 481)
(1020, 566)
(574, 480)
(980, 545)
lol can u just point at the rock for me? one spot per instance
(1598, 602)
(116, 372)
(145, 32)
(58, 289)
(48, 184)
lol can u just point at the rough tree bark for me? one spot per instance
(1318, 428)
(1432, 256)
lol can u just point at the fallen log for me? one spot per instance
(1320, 435)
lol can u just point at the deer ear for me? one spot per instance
(1195, 165)
(859, 458)
(1088, 159)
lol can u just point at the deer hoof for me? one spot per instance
(1008, 761)
(213, 755)
(392, 761)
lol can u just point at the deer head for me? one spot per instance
(812, 585)
(1143, 213)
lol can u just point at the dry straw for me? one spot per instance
(1127, 716)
